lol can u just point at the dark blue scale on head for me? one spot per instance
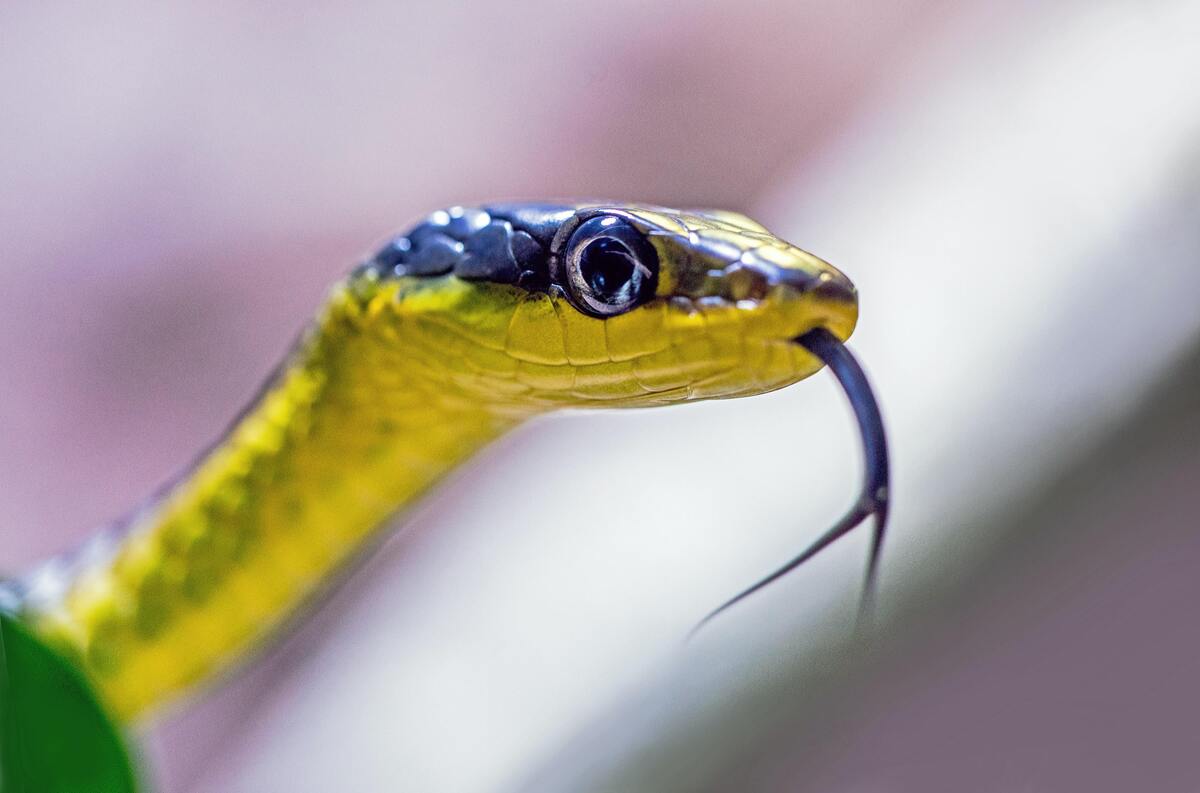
(394, 254)
(433, 254)
(539, 221)
(460, 222)
(477, 245)
(490, 255)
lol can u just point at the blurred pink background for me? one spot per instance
(179, 184)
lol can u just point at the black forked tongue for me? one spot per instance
(872, 500)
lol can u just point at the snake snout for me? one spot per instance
(824, 284)
(802, 292)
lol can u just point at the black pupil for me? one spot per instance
(609, 268)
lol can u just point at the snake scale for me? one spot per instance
(455, 332)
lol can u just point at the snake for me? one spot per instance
(455, 332)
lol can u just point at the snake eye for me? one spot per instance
(610, 266)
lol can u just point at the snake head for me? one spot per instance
(530, 306)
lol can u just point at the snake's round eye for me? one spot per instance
(610, 266)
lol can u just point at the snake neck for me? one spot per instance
(349, 431)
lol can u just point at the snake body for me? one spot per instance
(455, 332)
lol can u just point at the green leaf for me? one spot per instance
(54, 734)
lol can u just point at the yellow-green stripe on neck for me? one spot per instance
(353, 429)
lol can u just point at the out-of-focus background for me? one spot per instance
(1014, 187)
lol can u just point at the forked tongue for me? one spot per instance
(872, 499)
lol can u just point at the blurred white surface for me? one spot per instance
(1020, 218)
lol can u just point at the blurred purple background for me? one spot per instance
(179, 185)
